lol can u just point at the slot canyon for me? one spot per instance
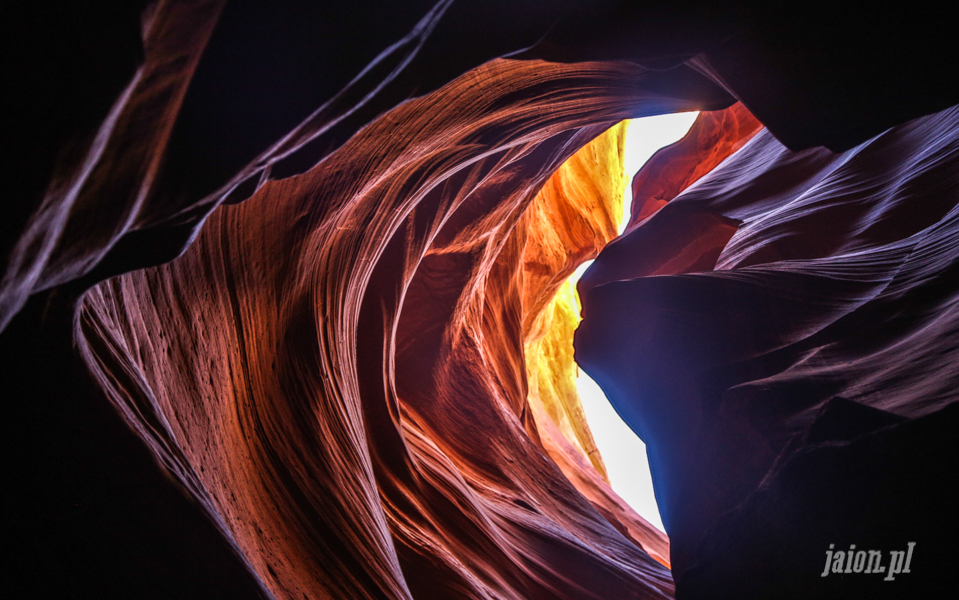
(285, 310)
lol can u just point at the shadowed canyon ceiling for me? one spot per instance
(284, 310)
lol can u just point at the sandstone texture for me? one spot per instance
(283, 310)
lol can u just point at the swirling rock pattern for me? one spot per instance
(818, 326)
(329, 393)
(336, 368)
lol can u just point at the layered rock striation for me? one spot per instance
(276, 324)
(768, 325)
(336, 367)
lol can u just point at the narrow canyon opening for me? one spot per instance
(286, 309)
(405, 348)
(620, 455)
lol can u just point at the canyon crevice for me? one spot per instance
(286, 317)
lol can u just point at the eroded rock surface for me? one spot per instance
(336, 367)
(816, 327)
(328, 394)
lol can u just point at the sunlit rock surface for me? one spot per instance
(328, 394)
(336, 367)
(570, 220)
(714, 136)
(763, 376)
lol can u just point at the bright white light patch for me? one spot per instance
(643, 138)
(623, 452)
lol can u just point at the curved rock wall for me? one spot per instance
(571, 219)
(785, 304)
(712, 138)
(336, 367)
(336, 372)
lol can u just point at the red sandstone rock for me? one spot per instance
(713, 137)
(335, 367)
(334, 370)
